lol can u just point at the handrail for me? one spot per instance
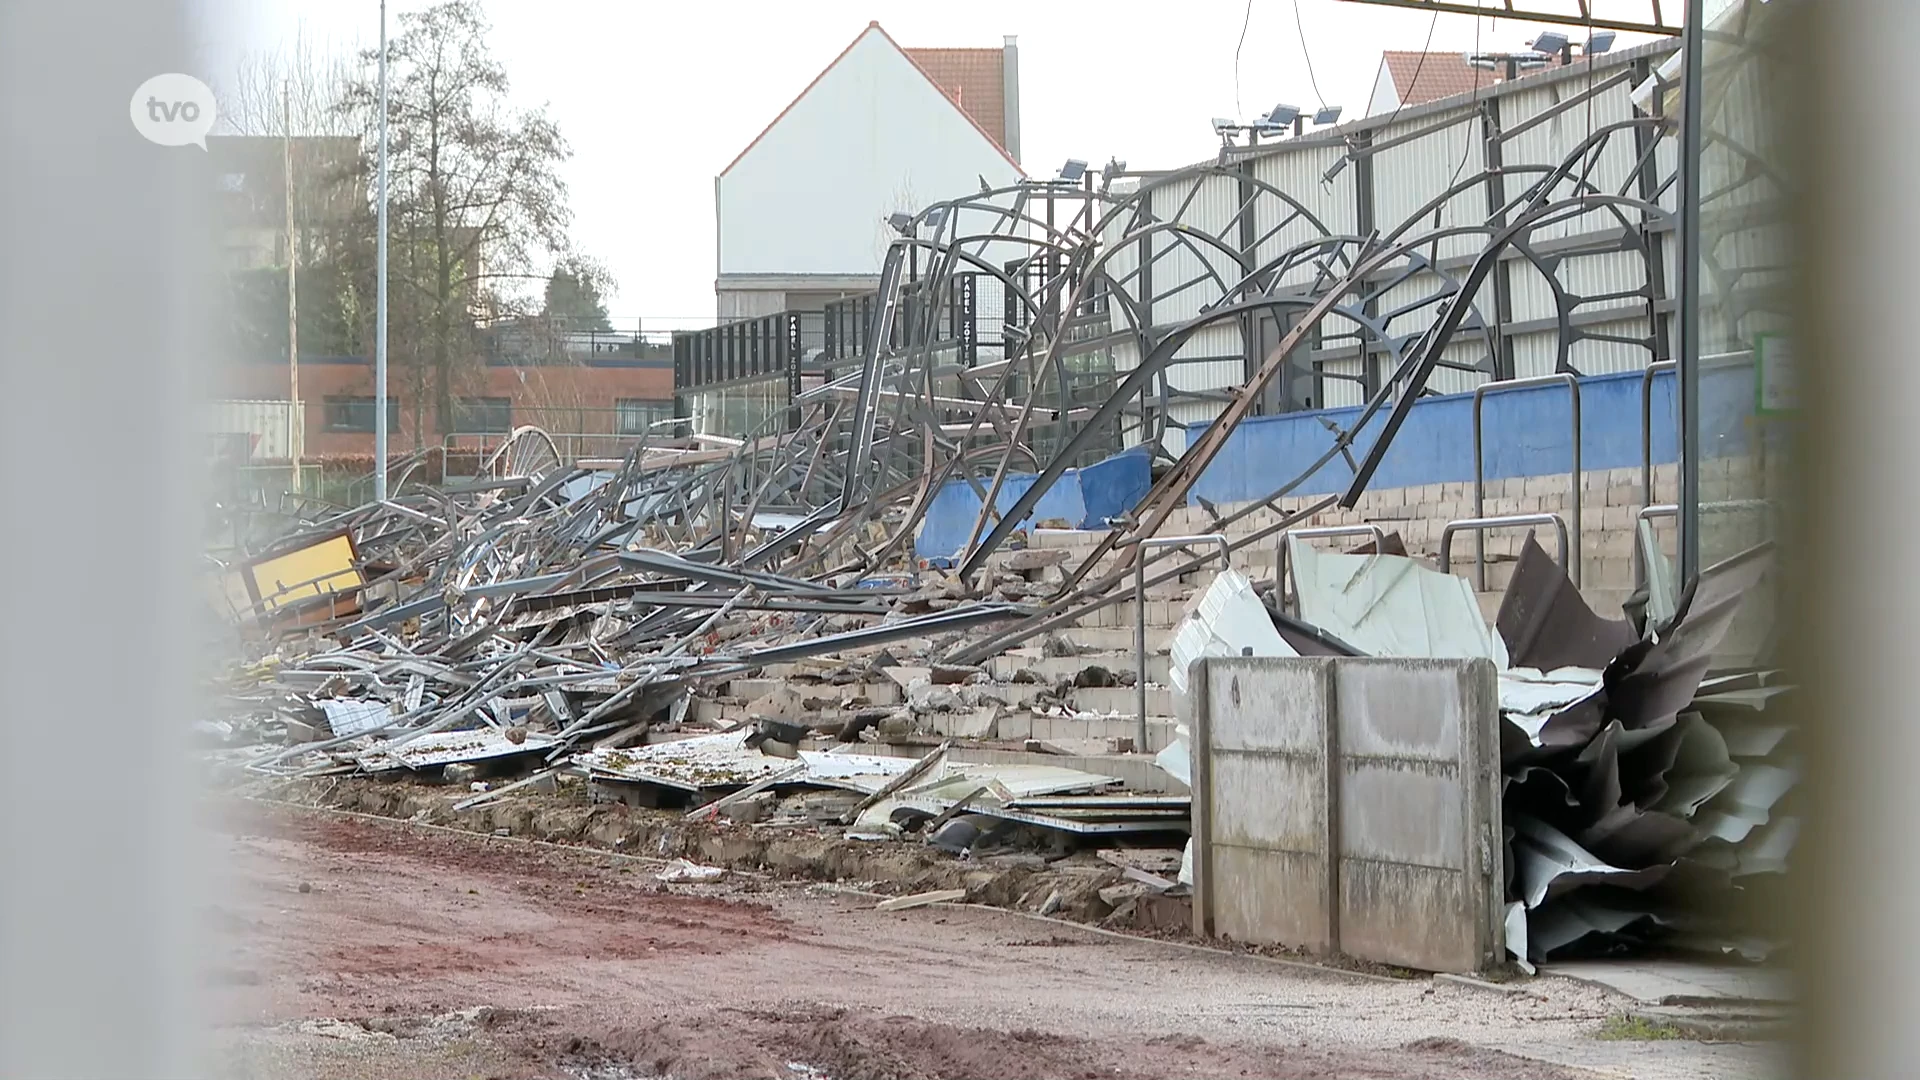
(1280, 555)
(1672, 510)
(1479, 469)
(1479, 526)
(1646, 425)
(1140, 611)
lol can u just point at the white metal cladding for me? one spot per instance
(1550, 141)
(1411, 175)
(1424, 288)
(1299, 173)
(270, 423)
(1537, 353)
(871, 136)
(1593, 275)
(1339, 393)
(1192, 272)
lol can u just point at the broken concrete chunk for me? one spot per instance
(1093, 676)
(1037, 558)
(683, 872)
(924, 697)
(951, 674)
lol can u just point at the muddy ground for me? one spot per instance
(346, 947)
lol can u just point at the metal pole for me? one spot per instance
(380, 290)
(1687, 379)
(296, 418)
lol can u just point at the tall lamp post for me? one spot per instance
(380, 289)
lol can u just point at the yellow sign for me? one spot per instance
(326, 566)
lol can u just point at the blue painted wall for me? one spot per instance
(1084, 498)
(1525, 432)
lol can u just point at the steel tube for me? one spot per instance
(1479, 471)
(1280, 555)
(1646, 427)
(1480, 525)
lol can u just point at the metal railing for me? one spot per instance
(1646, 425)
(1479, 469)
(1280, 554)
(1672, 510)
(1479, 526)
(1140, 611)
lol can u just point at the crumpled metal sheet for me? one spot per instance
(1659, 676)
(1390, 605)
(1548, 863)
(1547, 624)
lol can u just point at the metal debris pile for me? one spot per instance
(1648, 771)
(521, 625)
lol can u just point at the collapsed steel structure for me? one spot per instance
(839, 482)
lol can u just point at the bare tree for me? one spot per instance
(475, 200)
(297, 90)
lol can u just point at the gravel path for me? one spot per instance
(425, 954)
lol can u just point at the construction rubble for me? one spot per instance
(546, 624)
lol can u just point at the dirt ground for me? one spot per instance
(348, 948)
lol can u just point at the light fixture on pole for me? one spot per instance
(380, 290)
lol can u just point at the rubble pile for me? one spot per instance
(502, 632)
(1647, 786)
(546, 621)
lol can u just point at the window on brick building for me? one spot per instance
(633, 416)
(357, 413)
(481, 416)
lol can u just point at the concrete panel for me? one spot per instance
(1401, 914)
(1246, 781)
(1271, 896)
(1389, 810)
(1262, 707)
(1350, 804)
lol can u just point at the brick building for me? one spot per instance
(610, 398)
(599, 386)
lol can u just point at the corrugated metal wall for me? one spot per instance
(269, 422)
(1406, 180)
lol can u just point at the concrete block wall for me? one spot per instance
(1610, 502)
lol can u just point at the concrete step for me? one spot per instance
(1124, 700)
(1160, 614)
(1115, 639)
(876, 693)
(1053, 668)
(1025, 725)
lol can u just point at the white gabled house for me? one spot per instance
(800, 214)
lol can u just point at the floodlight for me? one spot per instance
(936, 215)
(902, 222)
(1282, 115)
(1072, 171)
(1224, 126)
(1601, 41)
(1328, 114)
(1550, 42)
(1115, 165)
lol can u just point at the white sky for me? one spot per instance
(656, 97)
